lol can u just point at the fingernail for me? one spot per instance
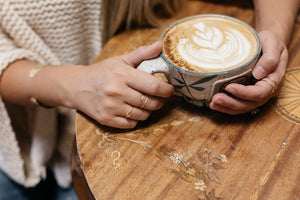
(214, 105)
(217, 101)
(259, 72)
(230, 89)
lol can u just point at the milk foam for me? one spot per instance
(215, 44)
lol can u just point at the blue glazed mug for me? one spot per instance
(204, 53)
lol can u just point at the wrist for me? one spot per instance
(33, 71)
(276, 31)
(278, 18)
(52, 86)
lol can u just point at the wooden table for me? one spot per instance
(187, 152)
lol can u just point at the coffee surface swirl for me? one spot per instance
(210, 44)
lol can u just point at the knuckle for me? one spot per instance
(261, 96)
(111, 90)
(271, 60)
(104, 114)
(153, 87)
(103, 119)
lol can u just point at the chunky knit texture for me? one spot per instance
(49, 32)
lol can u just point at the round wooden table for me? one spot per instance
(187, 152)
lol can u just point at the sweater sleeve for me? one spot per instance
(25, 166)
(12, 160)
(48, 32)
(9, 52)
(19, 41)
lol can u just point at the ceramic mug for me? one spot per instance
(203, 53)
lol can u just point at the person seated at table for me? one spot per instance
(46, 53)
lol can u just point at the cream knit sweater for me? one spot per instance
(54, 32)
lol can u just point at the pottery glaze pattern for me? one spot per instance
(200, 90)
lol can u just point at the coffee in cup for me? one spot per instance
(202, 54)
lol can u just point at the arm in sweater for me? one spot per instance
(105, 91)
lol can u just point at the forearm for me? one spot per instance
(277, 16)
(15, 83)
(16, 86)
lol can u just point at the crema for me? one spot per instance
(210, 44)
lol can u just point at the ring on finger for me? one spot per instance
(144, 100)
(275, 83)
(272, 83)
(128, 114)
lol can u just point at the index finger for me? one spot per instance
(260, 92)
(149, 84)
(142, 53)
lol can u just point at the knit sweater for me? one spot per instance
(52, 32)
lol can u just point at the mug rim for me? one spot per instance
(218, 72)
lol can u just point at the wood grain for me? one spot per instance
(187, 152)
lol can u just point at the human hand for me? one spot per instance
(269, 70)
(116, 94)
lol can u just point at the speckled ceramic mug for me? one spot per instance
(203, 53)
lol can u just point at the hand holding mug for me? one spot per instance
(202, 54)
(270, 70)
(114, 93)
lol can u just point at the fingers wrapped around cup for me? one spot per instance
(202, 54)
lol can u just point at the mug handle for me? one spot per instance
(155, 65)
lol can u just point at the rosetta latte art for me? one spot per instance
(213, 48)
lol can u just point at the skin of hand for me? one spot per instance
(113, 91)
(274, 21)
(107, 90)
(272, 64)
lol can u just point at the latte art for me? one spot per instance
(212, 48)
(210, 44)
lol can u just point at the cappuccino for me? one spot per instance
(204, 53)
(210, 43)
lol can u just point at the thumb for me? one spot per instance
(265, 65)
(142, 53)
(270, 58)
